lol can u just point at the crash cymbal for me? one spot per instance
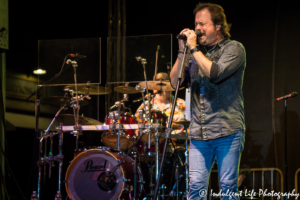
(157, 85)
(126, 90)
(90, 89)
(68, 120)
(182, 122)
(60, 100)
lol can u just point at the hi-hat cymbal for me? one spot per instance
(157, 85)
(90, 89)
(60, 100)
(126, 90)
(68, 120)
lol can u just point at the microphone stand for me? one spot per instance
(169, 127)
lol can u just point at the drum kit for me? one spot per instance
(127, 166)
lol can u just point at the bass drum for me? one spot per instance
(88, 176)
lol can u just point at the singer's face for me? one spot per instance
(210, 34)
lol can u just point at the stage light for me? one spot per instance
(39, 71)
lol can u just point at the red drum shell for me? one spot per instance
(110, 138)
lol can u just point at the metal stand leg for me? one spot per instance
(157, 164)
(60, 150)
(50, 156)
(135, 176)
(40, 168)
(177, 182)
(45, 155)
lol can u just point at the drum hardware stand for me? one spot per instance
(148, 112)
(43, 161)
(169, 129)
(60, 157)
(177, 182)
(144, 62)
(45, 156)
(163, 187)
(50, 156)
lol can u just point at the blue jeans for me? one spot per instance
(202, 154)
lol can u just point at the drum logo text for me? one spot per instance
(89, 167)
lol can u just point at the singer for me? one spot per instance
(214, 68)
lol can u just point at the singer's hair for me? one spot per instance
(218, 16)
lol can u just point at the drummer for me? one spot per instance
(163, 103)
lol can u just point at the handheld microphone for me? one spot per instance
(183, 37)
(293, 94)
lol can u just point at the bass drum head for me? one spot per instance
(86, 179)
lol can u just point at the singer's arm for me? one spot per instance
(203, 63)
(175, 71)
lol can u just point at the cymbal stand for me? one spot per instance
(40, 163)
(169, 129)
(76, 107)
(156, 148)
(144, 62)
(148, 113)
(45, 156)
(50, 156)
(60, 157)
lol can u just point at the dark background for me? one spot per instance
(267, 29)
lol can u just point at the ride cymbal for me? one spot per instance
(126, 90)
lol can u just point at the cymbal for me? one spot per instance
(126, 90)
(182, 122)
(91, 89)
(162, 76)
(68, 120)
(60, 100)
(157, 85)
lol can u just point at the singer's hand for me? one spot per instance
(191, 36)
(181, 42)
(191, 41)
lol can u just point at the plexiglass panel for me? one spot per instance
(53, 54)
(91, 98)
(123, 64)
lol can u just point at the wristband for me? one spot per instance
(193, 50)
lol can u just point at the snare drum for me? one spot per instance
(110, 138)
(87, 176)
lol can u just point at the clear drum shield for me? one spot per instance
(132, 60)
